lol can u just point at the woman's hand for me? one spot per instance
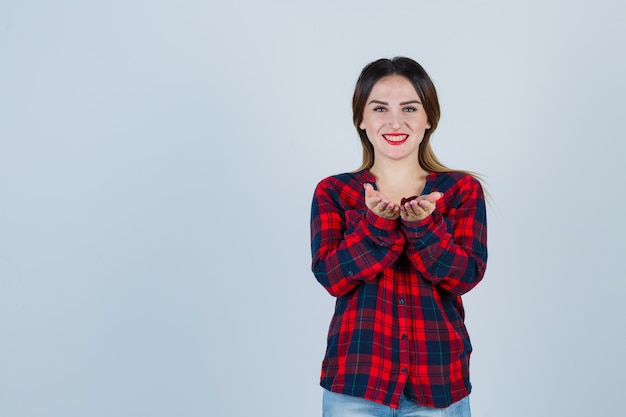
(379, 204)
(420, 208)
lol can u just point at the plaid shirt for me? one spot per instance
(398, 321)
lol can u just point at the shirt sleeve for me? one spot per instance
(342, 258)
(452, 253)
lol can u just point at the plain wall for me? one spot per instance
(157, 163)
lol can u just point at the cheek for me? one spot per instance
(374, 124)
(423, 123)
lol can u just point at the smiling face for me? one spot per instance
(394, 119)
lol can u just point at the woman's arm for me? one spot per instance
(344, 259)
(452, 254)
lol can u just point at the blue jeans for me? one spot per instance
(339, 405)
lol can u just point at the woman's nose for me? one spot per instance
(394, 119)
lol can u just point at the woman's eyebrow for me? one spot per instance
(404, 103)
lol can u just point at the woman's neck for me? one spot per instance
(398, 172)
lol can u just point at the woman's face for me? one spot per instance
(394, 119)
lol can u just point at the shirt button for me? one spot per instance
(405, 370)
(401, 301)
(404, 337)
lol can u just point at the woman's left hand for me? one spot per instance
(420, 208)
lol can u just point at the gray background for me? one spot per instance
(157, 162)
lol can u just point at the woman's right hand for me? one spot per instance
(379, 204)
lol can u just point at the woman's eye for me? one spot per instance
(410, 109)
(380, 109)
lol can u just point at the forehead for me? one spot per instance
(394, 86)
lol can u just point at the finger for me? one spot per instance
(390, 206)
(426, 205)
(434, 196)
(372, 194)
(386, 209)
(385, 206)
(409, 212)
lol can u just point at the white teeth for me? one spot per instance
(399, 138)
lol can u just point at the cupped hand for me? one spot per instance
(420, 208)
(379, 204)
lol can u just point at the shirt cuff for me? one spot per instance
(384, 231)
(418, 226)
(380, 222)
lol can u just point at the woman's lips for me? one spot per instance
(396, 138)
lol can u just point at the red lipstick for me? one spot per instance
(395, 138)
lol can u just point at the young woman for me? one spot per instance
(397, 242)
